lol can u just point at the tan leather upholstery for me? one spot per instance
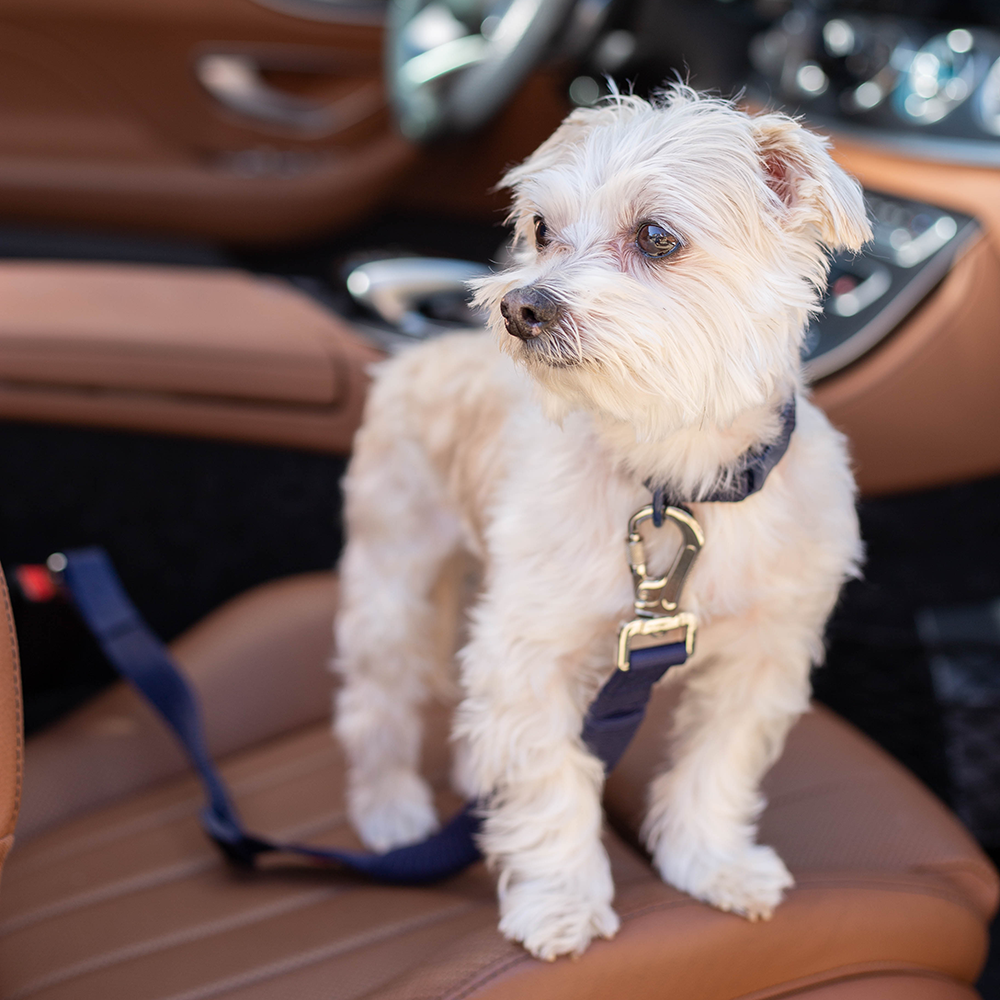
(211, 352)
(889, 988)
(11, 730)
(921, 409)
(258, 664)
(836, 803)
(194, 331)
(104, 123)
(129, 901)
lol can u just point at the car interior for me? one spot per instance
(215, 217)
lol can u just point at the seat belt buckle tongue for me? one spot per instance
(41, 584)
(644, 633)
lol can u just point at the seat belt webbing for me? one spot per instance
(143, 660)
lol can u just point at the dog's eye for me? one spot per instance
(541, 232)
(655, 241)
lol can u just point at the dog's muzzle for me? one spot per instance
(529, 312)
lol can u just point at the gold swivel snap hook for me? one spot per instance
(656, 598)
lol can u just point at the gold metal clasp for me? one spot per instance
(656, 595)
(656, 598)
(641, 633)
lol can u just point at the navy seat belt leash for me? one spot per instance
(143, 660)
(658, 638)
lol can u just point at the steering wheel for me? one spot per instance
(452, 64)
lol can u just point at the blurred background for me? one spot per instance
(214, 214)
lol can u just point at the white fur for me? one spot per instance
(533, 460)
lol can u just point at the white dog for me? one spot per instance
(668, 258)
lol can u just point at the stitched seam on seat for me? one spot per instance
(181, 870)
(148, 880)
(821, 788)
(301, 961)
(904, 969)
(18, 717)
(135, 883)
(818, 885)
(979, 871)
(140, 949)
(129, 828)
(958, 864)
(942, 892)
(860, 973)
(257, 782)
(484, 978)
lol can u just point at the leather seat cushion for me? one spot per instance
(130, 901)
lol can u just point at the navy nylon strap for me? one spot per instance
(620, 705)
(746, 479)
(142, 659)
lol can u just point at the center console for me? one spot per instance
(869, 294)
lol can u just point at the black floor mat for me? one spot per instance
(188, 524)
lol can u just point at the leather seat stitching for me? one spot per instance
(820, 886)
(981, 872)
(150, 879)
(135, 883)
(481, 979)
(128, 828)
(826, 787)
(258, 782)
(296, 962)
(140, 949)
(861, 972)
(937, 891)
(811, 982)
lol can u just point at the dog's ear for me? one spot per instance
(811, 187)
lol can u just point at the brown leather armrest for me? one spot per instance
(172, 329)
(211, 352)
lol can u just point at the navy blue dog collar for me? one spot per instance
(749, 475)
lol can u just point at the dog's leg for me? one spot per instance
(400, 532)
(730, 727)
(522, 719)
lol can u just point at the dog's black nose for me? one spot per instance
(528, 312)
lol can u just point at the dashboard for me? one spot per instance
(923, 78)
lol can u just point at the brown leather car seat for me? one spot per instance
(113, 891)
(11, 731)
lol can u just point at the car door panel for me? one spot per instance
(104, 120)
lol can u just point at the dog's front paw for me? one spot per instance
(751, 882)
(397, 811)
(550, 922)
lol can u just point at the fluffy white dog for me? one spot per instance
(668, 258)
